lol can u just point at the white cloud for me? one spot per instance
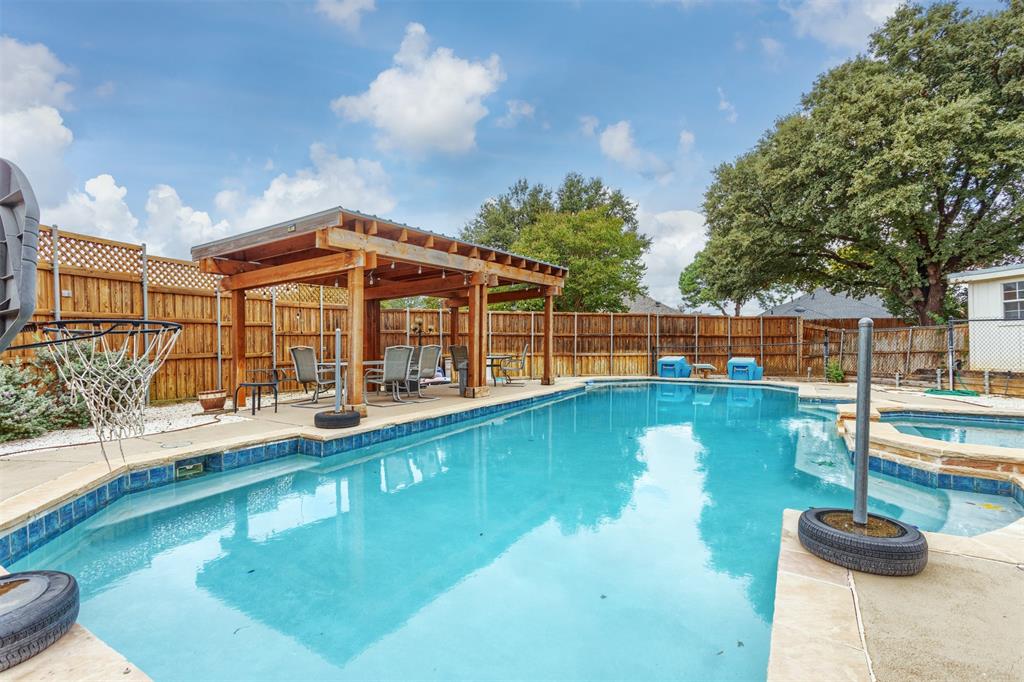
(105, 89)
(346, 13)
(30, 76)
(686, 141)
(727, 107)
(516, 110)
(771, 47)
(617, 144)
(427, 100)
(588, 125)
(99, 210)
(332, 181)
(676, 237)
(172, 227)
(32, 130)
(37, 140)
(843, 24)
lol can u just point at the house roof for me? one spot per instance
(646, 304)
(980, 274)
(823, 305)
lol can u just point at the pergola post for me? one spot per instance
(548, 377)
(356, 313)
(371, 335)
(238, 343)
(477, 380)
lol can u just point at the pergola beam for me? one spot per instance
(323, 266)
(462, 299)
(339, 238)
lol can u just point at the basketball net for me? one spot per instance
(110, 365)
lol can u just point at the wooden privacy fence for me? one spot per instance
(99, 278)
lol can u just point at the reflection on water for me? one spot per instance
(630, 532)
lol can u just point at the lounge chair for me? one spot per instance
(393, 374)
(309, 371)
(514, 364)
(424, 368)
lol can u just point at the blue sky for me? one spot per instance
(180, 122)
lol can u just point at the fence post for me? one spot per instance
(273, 327)
(862, 436)
(762, 340)
(144, 276)
(842, 345)
(575, 341)
(650, 351)
(910, 348)
(950, 343)
(696, 339)
(800, 346)
(321, 323)
(728, 336)
(533, 355)
(220, 358)
(55, 244)
(407, 325)
(440, 327)
(611, 343)
(824, 357)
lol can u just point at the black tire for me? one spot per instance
(36, 609)
(906, 554)
(336, 420)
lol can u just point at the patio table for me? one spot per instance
(705, 369)
(494, 361)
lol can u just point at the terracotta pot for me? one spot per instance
(212, 400)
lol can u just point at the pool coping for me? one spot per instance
(818, 628)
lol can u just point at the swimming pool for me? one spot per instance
(1005, 434)
(626, 532)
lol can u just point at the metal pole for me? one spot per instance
(950, 342)
(860, 481)
(842, 344)
(337, 370)
(910, 348)
(728, 337)
(440, 327)
(55, 245)
(533, 356)
(220, 358)
(988, 386)
(321, 323)
(696, 339)
(407, 325)
(824, 357)
(145, 283)
(938, 378)
(273, 327)
(575, 341)
(650, 351)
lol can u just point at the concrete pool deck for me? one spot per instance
(959, 619)
(33, 482)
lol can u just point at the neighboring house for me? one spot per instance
(646, 304)
(995, 307)
(822, 305)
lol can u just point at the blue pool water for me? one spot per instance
(628, 532)
(952, 430)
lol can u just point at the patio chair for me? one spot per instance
(424, 368)
(460, 364)
(309, 371)
(393, 374)
(512, 364)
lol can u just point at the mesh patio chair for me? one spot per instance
(513, 364)
(424, 368)
(460, 364)
(309, 371)
(394, 374)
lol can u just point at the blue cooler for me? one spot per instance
(744, 368)
(674, 367)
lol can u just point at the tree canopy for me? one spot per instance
(604, 258)
(902, 166)
(584, 225)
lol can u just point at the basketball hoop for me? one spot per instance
(110, 365)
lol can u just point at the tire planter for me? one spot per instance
(905, 554)
(330, 419)
(36, 609)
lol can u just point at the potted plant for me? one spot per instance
(852, 538)
(212, 401)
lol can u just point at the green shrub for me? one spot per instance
(834, 372)
(67, 409)
(24, 411)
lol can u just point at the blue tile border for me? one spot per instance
(944, 481)
(49, 524)
(959, 417)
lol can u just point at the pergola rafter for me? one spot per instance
(378, 260)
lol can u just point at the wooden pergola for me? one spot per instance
(379, 260)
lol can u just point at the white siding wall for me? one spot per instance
(995, 343)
